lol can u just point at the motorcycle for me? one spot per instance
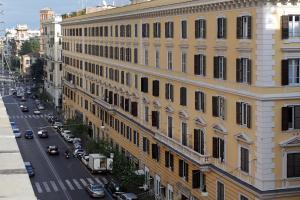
(67, 155)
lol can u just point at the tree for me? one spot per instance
(30, 46)
(14, 63)
(37, 71)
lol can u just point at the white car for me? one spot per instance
(65, 132)
(69, 137)
(36, 112)
(57, 124)
(85, 160)
(41, 107)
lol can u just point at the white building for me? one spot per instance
(52, 54)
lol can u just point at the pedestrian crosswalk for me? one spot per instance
(28, 116)
(62, 185)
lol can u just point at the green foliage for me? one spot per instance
(37, 71)
(78, 128)
(14, 63)
(30, 46)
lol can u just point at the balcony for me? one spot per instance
(69, 84)
(187, 152)
(104, 104)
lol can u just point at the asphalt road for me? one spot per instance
(55, 176)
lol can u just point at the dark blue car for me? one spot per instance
(29, 134)
(29, 168)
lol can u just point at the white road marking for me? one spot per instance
(25, 116)
(69, 184)
(98, 181)
(83, 182)
(54, 186)
(63, 187)
(38, 187)
(46, 187)
(90, 180)
(29, 116)
(77, 184)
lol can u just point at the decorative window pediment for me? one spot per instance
(243, 138)
(292, 142)
(200, 121)
(157, 103)
(169, 109)
(183, 114)
(146, 100)
(135, 95)
(219, 128)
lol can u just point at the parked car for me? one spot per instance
(57, 124)
(85, 159)
(23, 98)
(29, 134)
(78, 153)
(17, 133)
(114, 188)
(77, 140)
(29, 168)
(13, 125)
(41, 107)
(77, 146)
(36, 112)
(24, 109)
(69, 138)
(95, 190)
(52, 150)
(127, 196)
(63, 132)
(43, 134)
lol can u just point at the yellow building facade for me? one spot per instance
(204, 96)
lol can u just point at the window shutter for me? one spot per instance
(155, 88)
(215, 147)
(172, 92)
(204, 28)
(167, 155)
(249, 116)
(202, 101)
(154, 151)
(183, 94)
(196, 178)
(158, 29)
(284, 72)
(166, 30)
(172, 29)
(172, 161)
(167, 91)
(238, 113)
(216, 67)
(181, 168)
(285, 27)
(297, 117)
(154, 118)
(238, 70)
(196, 65)
(221, 150)
(215, 107)
(225, 69)
(201, 142)
(219, 22)
(186, 171)
(134, 109)
(249, 72)
(225, 28)
(196, 140)
(144, 145)
(204, 65)
(239, 27)
(249, 27)
(284, 118)
(197, 29)
(197, 96)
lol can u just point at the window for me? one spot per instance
(243, 28)
(242, 197)
(156, 30)
(128, 30)
(135, 30)
(169, 160)
(170, 60)
(243, 70)
(218, 148)
(155, 119)
(128, 79)
(221, 25)
(184, 136)
(199, 101)
(170, 126)
(145, 30)
(136, 138)
(199, 180)
(199, 141)
(146, 145)
(200, 64)
(220, 191)
(183, 29)
(183, 61)
(290, 117)
(184, 170)
(218, 107)
(244, 159)
(146, 113)
(144, 84)
(135, 55)
(169, 92)
(136, 79)
(155, 152)
(200, 28)
(155, 88)
(183, 96)
(243, 114)
(293, 165)
(157, 59)
(170, 192)
(220, 67)
(146, 57)
(169, 29)
(290, 72)
(290, 26)
(134, 109)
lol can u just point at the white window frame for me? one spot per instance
(222, 27)
(183, 61)
(157, 189)
(201, 28)
(284, 165)
(168, 125)
(170, 60)
(221, 109)
(221, 66)
(181, 131)
(169, 91)
(199, 100)
(293, 76)
(245, 67)
(293, 26)
(244, 113)
(170, 193)
(245, 21)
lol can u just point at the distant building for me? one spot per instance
(52, 55)
(45, 14)
(26, 61)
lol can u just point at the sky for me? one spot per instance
(27, 11)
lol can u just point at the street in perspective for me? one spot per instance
(150, 100)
